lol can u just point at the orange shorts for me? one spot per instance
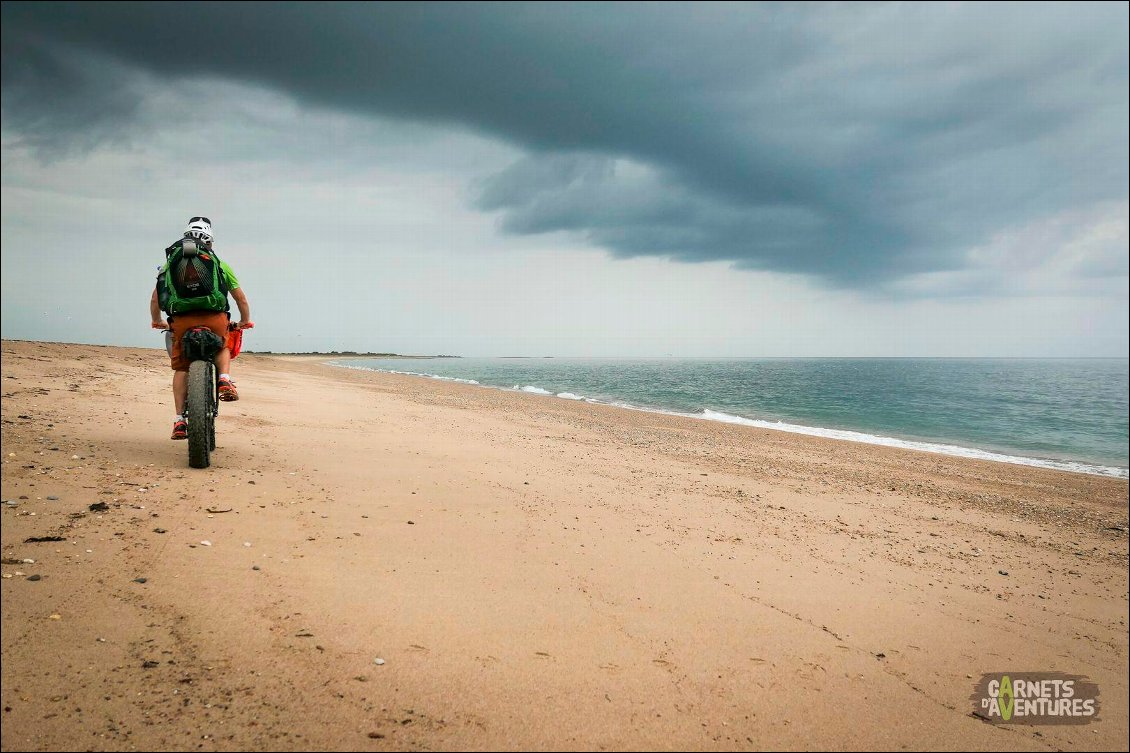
(217, 321)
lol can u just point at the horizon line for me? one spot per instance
(378, 354)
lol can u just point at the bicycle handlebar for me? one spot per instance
(232, 326)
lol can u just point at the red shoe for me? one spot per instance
(228, 392)
(180, 430)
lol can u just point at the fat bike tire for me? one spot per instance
(201, 421)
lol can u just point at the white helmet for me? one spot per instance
(199, 228)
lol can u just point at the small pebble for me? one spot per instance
(205, 543)
(378, 661)
(52, 497)
(254, 567)
(34, 577)
(140, 580)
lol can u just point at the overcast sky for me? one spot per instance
(578, 179)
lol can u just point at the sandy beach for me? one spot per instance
(394, 562)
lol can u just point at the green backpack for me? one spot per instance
(191, 280)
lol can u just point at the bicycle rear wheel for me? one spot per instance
(198, 411)
(213, 408)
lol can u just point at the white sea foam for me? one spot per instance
(406, 373)
(842, 434)
(944, 449)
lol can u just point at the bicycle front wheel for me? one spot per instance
(198, 411)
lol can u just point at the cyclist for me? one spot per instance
(191, 266)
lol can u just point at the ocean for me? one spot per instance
(1069, 414)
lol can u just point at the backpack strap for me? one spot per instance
(220, 271)
(163, 283)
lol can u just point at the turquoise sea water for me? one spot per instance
(1062, 413)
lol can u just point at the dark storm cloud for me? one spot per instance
(856, 143)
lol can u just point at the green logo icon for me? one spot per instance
(1005, 699)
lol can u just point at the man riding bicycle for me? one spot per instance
(192, 288)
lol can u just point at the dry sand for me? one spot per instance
(535, 573)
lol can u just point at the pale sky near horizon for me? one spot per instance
(578, 179)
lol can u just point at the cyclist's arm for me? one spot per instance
(244, 307)
(155, 312)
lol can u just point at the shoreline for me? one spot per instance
(530, 573)
(846, 435)
(345, 354)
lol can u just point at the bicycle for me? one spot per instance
(202, 404)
